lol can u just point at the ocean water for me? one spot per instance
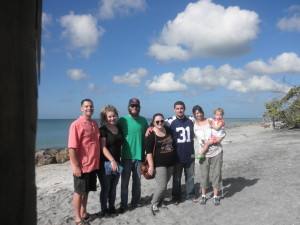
(53, 133)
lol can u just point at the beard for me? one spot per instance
(134, 114)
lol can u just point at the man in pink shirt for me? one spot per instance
(84, 151)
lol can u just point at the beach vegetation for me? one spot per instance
(286, 110)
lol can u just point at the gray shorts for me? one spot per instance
(85, 183)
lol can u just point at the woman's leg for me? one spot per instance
(161, 178)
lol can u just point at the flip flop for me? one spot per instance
(195, 200)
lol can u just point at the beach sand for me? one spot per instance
(261, 180)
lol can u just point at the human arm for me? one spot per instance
(150, 144)
(106, 153)
(73, 156)
(220, 124)
(151, 164)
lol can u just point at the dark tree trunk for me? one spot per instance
(19, 59)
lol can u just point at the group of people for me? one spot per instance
(117, 148)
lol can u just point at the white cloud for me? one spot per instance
(208, 30)
(287, 62)
(165, 83)
(291, 23)
(132, 78)
(77, 74)
(92, 87)
(46, 20)
(256, 84)
(82, 32)
(43, 51)
(109, 8)
(230, 78)
(210, 78)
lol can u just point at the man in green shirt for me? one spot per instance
(134, 127)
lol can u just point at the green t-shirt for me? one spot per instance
(134, 132)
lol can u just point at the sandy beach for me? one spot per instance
(261, 185)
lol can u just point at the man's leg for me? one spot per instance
(176, 189)
(84, 199)
(189, 172)
(136, 183)
(126, 163)
(77, 206)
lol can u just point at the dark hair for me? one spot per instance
(179, 103)
(199, 108)
(157, 114)
(86, 100)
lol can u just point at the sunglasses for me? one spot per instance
(159, 121)
(134, 106)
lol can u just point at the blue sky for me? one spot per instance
(234, 54)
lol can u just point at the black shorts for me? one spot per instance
(85, 183)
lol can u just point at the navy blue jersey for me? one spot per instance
(183, 138)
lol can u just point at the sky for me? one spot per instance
(233, 54)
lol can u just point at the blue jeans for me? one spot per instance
(108, 189)
(131, 166)
(189, 173)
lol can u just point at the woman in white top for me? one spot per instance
(212, 162)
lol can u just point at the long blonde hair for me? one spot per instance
(104, 111)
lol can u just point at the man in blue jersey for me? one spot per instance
(183, 138)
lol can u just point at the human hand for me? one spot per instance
(150, 171)
(77, 172)
(114, 165)
(148, 131)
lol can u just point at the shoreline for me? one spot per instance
(259, 186)
(230, 127)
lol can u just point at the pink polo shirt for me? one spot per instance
(84, 137)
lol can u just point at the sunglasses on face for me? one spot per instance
(159, 121)
(134, 106)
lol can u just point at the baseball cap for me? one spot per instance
(134, 101)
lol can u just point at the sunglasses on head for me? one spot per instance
(134, 106)
(159, 121)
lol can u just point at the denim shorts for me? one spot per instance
(85, 183)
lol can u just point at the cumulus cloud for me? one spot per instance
(131, 78)
(287, 62)
(208, 30)
(210, 77)
(230, 78)
(110, 8)
(77, 74)
(165, 83)
(256, 84)
(291, 23)
(82, 32)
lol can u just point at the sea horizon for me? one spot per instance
(53, 133)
